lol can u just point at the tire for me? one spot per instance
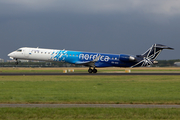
(94, 70)
(90, 70)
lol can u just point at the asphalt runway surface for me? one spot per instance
(14, 74)
(88, 106)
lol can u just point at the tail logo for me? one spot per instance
(150, 55)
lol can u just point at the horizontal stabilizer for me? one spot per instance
(163, 47)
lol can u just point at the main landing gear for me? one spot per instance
(16, 63)
(94, 70)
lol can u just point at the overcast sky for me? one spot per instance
(107, 26)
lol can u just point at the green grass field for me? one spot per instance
(88, 113)
(90, 89)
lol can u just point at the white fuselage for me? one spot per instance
(33, 54)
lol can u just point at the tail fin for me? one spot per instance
(153, 52)
(150, 55)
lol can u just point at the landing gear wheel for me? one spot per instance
(94, 70)
(16, 63)
(90, 70)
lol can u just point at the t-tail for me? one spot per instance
(149, 57)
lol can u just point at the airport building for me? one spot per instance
(1, 60)
(10, 61)
(177, 64)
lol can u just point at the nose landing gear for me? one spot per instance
(16, 63)
(94, 70)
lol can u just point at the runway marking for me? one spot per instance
(88, 106)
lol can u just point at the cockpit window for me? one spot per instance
(19, 50)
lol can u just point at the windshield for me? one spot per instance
(19, 50)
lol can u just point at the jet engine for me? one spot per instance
(127, 58)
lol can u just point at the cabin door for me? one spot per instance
(26, 52)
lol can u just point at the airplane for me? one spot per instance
(90, 59)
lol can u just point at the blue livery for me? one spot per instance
(109, 60)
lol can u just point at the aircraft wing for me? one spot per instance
(89, 63)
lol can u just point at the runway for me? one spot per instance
(92, 74)
(88, 106)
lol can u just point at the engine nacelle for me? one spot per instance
(126, 58)
(155, 62)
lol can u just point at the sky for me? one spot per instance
(105, 26)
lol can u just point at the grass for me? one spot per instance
(90, 89)
(88, 113)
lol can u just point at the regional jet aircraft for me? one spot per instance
(92, 60)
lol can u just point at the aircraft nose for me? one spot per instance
(12, 54)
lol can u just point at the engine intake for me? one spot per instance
(126, 58)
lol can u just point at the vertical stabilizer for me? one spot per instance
(149, 57)
(153, 52)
